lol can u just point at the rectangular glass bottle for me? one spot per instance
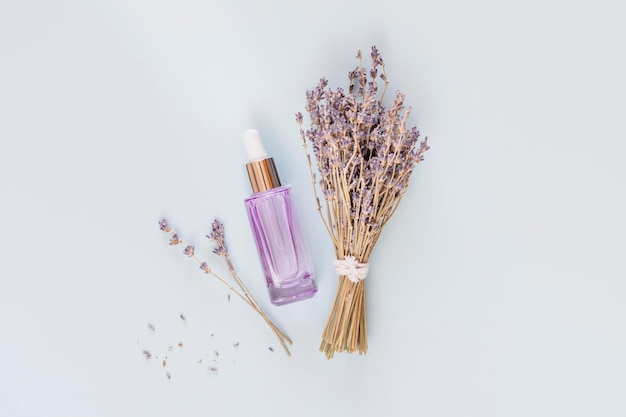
(281, 246)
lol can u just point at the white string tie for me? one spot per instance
(351, 268)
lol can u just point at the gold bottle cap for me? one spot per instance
(261, 168)
(263, 175)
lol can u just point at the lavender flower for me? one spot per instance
(174, 240)
(377, 59)
(189, 251)
(217, 236)
(164, 226)
(205, 267)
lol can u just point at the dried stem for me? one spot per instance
(282, 337)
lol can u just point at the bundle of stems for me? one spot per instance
(365, 153)
(221, 250)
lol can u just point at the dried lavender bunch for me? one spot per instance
(217, 236)
(365, 153)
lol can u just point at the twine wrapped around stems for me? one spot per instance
(352, 269)
(365, 154)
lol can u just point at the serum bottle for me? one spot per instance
(283, 252)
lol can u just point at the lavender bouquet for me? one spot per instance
(365, 153)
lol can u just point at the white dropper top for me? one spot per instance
(260, 167)
(254, 146)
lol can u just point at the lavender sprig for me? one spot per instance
(217, 236)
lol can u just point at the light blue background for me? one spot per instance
(497, 290)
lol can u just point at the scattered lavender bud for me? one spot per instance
(236, 344)
(216, 353)
(151, 327)
(147, 354)
(168, 376)
(271, 349)
(182, 317)
(228, 297)
(212, 369)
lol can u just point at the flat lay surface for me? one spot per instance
(497, 289)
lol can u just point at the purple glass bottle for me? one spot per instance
(283, 252)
